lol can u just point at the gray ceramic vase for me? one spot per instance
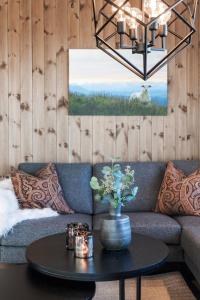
(115, 230)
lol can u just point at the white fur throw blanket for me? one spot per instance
(11, 214)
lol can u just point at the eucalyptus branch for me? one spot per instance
(115, 186)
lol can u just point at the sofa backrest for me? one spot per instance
(74, 179)
(148, 177)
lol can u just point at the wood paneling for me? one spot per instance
(62, 80)
(34, 121)
(38, 81)
(4, 126)
(145, 138)
(50, 79)
(14, 95)
(169, 122)
(26, 80)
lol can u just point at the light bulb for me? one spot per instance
(135, 13)
(117, 2)
(151, 7)
(154, 8)
(165, 17)
(120, 16)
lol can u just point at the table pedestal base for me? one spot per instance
(138, 288)
(122, 289)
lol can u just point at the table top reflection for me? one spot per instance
(49, 256)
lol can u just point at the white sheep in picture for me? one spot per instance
(144, 96)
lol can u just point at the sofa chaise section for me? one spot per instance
(74, 179)
(190, 242)
(149, 176)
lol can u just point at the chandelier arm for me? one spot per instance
(117, 53)
(167, 60)
(126, 47)
(158, 49)
(172, 51)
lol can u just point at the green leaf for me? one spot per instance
(129, 198)
(127, 179)
(106, 170)
(94, 183)
(134, 191)
(116, 168)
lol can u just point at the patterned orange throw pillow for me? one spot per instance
(179, 194)
(42, 190)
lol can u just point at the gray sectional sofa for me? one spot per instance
(180, 233)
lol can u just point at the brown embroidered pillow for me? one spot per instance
(179, 194)
(42, 190)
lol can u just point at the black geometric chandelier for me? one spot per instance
(152, 25)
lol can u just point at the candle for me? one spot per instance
(121, 27)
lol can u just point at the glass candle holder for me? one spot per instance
(84, 245)
(72, 230)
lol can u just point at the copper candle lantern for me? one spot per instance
(84, 245)
(72, 230)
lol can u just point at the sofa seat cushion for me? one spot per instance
(190, 238)
(190, 242)
(152, 224)
(13, 255)
(28, 231)
(188, 221)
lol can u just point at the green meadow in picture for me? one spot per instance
(99, 85)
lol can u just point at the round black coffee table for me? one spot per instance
(19, 282)
(145, 254)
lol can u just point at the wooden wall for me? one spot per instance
(34, 122)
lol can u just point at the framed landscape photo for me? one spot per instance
(99, 85)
